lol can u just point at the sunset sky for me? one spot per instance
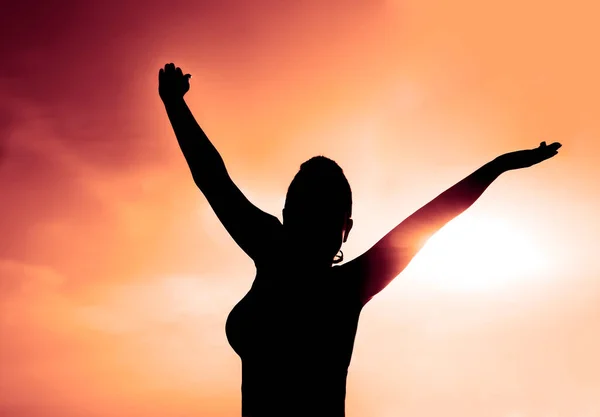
(116, 277)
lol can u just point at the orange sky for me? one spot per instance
(116, 278)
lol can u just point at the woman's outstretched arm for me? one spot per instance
(250, 227)
(377, 267)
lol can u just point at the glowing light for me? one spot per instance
(478, 254)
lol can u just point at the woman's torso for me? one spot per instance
(294, 332)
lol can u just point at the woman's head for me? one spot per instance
(318, 208)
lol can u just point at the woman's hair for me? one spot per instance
(320, 182)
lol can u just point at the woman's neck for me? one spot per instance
(305, 259)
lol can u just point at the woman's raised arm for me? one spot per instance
(377, 267)
(251, 228)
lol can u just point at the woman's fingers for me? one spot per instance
(551, 149)
(171, 70)
(555, 145)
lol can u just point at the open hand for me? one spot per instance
(528, 157)
(172, 84)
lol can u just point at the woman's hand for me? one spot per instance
(172, 84)
(527, 157)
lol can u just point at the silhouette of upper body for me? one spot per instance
(295, 328)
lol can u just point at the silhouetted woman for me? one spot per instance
(294, 330)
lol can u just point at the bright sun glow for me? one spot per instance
(477, 254)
